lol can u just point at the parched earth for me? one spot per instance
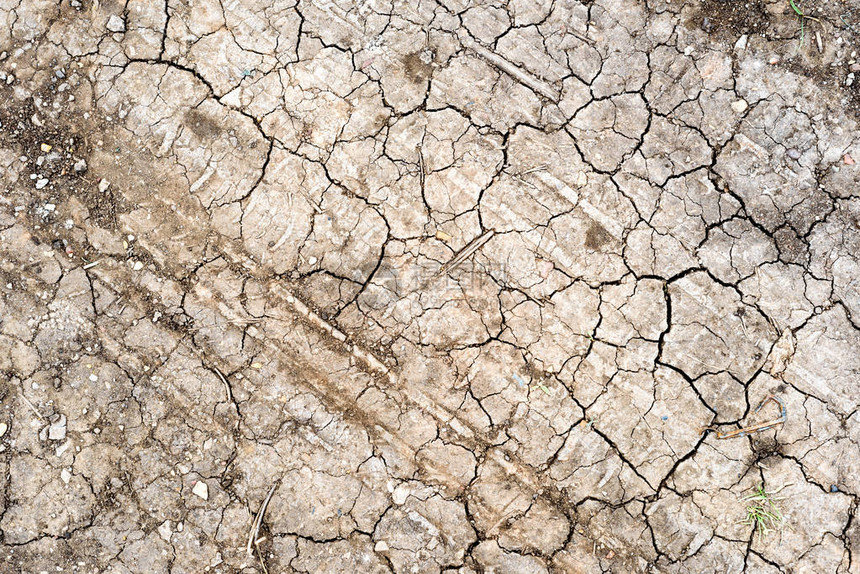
(440, 286)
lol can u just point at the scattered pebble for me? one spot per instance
(849, 79)
(3, 428)
(165, 531)
(137, 265)
(201, 489)
(116, 24)
(42, 183)
(834, 488)
(847, 159)
(57, 430)
(740, 106)
(774, 60)
(103, 185)
(80, 166)
(65, 475)
(793, 153)
(741, 44)
(400, 494)
(312, 260)
(442, 236)
(45, 148)
(381, 546)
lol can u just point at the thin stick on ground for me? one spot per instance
(464, 254)
(772, 492)
(32, 407)
(260, 558)
(255, 528)
(224, 380)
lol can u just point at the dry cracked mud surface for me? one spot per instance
(451, 285)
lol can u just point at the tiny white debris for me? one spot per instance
(201, 489)
(740, 106)
(581, 179)
(741, 44)
(63, 448)
(442, 236)
(3, 428)
(45, 148)
(103, 185)
(137, 265)
(849, 79)
(400, 494)
(116, 24)
(165, 531)
(66, 475)
(50, 207)
(94, 377)
(381, 546)
(312, 260)
(688, 50)
(57, 430)
(42, 183)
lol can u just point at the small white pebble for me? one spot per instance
(201, 489)
(165, 531)
(740, 106)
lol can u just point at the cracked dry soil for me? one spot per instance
(458, 282)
